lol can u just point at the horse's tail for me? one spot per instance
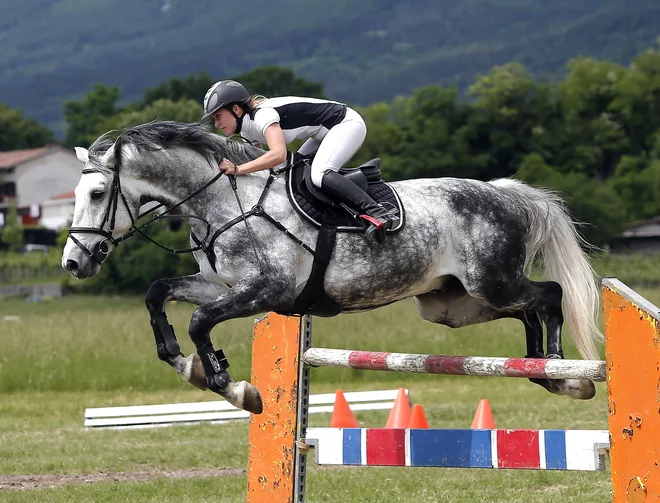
(553, 237)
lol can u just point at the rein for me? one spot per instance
(258, 211)
(101, 251)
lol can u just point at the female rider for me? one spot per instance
(331, 129)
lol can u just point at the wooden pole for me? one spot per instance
(632, 353)
(276, 468)
(539, 368)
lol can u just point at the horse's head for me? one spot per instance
(103, 210)
(142, 165)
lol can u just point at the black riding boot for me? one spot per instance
(379, 218)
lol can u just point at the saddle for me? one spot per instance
(315, 206)
(332, 217)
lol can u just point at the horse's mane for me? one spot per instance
(154, 136)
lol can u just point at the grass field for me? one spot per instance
(62, 356)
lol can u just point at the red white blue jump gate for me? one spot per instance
(460, 448)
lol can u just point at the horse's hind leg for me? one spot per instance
(534, 337)
(546, 303)
(542, 299)
(528, 301)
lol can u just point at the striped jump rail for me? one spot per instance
(536, 368)
(460, 448)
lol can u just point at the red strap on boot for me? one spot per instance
(372, 220)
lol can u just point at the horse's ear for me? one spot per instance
(82, 154)
(108, 158)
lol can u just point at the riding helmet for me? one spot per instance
(223, 93)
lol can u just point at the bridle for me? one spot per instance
(101, 250)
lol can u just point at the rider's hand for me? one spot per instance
(229, 167)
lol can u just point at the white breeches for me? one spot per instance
(336, 146)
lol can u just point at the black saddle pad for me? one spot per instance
(311, 202)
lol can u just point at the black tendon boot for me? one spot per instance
(379, 218)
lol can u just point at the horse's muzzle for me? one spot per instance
(71, 265)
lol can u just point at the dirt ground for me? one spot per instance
(51, 480)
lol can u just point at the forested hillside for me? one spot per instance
(55, 50)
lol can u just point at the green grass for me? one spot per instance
(76, 352)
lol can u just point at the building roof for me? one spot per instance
(643, 228)
(15, 157)
(66, 195)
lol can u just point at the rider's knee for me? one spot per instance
(317, 174)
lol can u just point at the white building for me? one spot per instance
(639, 237)
(57, 212)
(29, 178)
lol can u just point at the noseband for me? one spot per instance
(101, 250)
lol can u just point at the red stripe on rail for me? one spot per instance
(368, 360)
(437, 364)
(523, 367)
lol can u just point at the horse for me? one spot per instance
(464, 253)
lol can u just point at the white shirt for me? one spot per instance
(299, 118)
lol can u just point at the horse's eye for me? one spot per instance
(96, 195)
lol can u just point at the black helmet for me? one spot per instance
(223, 93)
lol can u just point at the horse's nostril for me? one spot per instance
(71, 265)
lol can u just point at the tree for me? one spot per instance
(193, 87)
(161, 110)
(637, 183)
(597, 138)
(85, 118)
(422, 135)
(18, 132)
(513, 116)
(276, 81)
(267, 80)
(12, 232)
(637, 101)
(431, 120)
(384, 139)
(592, 202)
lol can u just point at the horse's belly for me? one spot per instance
(358, 286)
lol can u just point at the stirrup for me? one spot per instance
(376, 222)
(377, 228)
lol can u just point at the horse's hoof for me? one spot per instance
(240, 394)
(190, 370)
(580, 389)
(244, 396)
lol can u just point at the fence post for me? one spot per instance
(276, 466)
(632, 347)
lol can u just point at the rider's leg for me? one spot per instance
(342, 189)
(310, 146)
(337, 145)
(336, 149)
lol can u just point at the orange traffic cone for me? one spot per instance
(342, 415)
(400, 413)
(417, 418)
(483, 419)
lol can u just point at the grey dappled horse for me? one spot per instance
(462, 254)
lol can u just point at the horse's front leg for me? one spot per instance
(253, 295)
(193, 289)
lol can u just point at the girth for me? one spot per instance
(313, 298)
